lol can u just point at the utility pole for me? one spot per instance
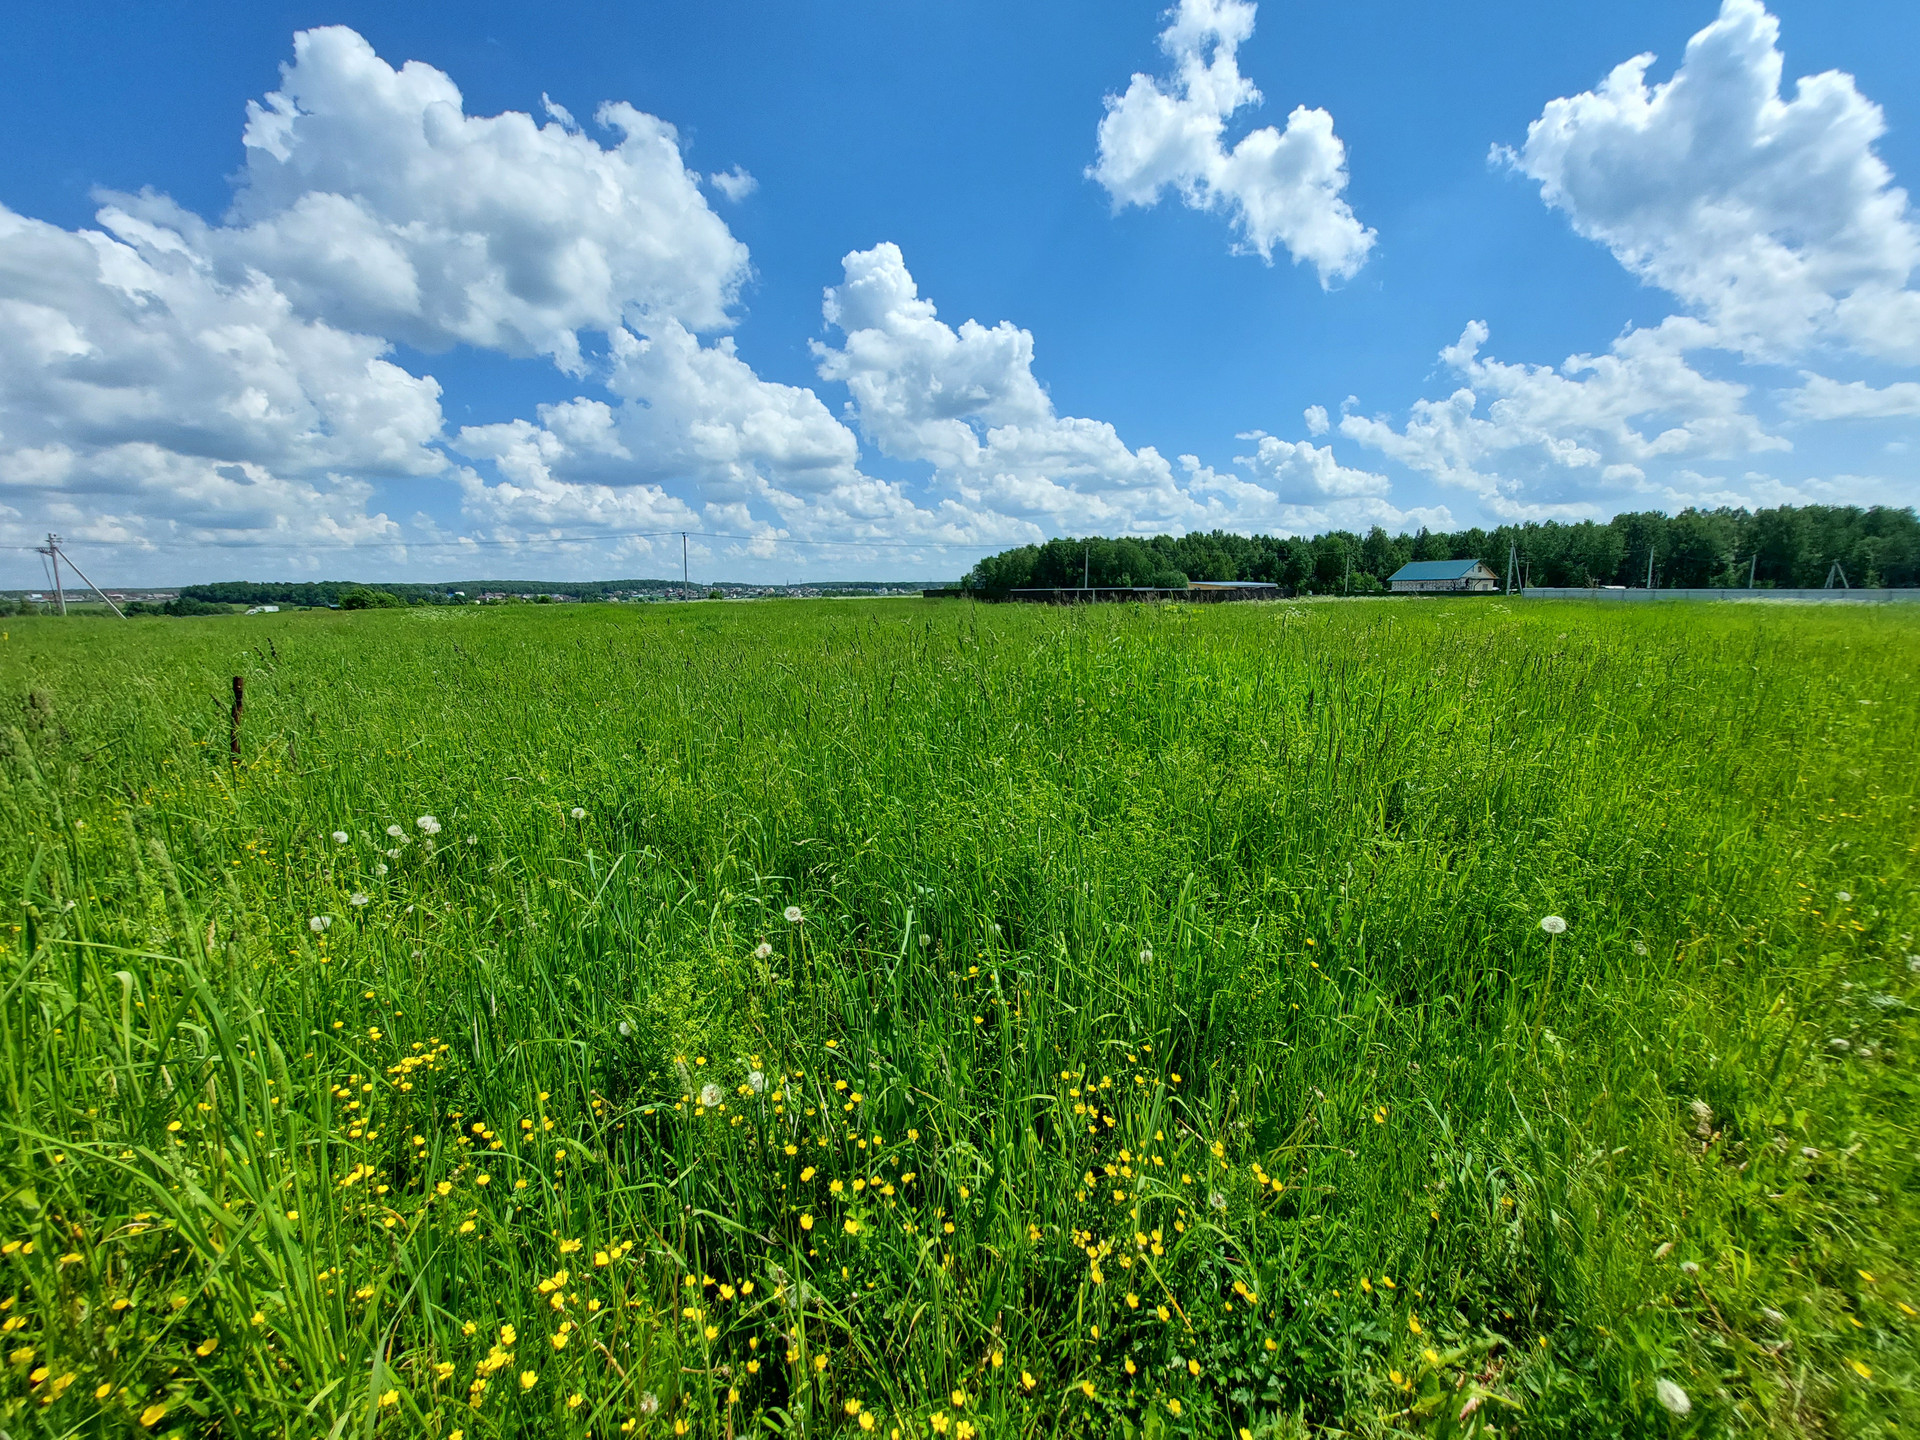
(1649, 565)
(52, 551)
(1086, 563)
(1836, 571)
(53, 544)
(686, 586)
(1753, 568)
(1513, 563)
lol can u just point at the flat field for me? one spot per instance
(919, 1019)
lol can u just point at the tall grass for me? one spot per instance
(1167, 1044)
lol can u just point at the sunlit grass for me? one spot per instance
(850, 1018)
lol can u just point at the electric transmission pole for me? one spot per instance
(53, 547)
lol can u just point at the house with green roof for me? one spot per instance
(1443, 576)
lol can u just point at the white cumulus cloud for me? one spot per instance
(1819, 398)
(1279, 187)
(1772, 217)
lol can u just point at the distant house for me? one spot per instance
(1428, 576)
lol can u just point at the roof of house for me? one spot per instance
(1436, 570)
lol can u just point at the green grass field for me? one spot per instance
(926, 1019)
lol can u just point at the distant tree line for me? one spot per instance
(1787, 547)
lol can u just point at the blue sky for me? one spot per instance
(226, 377)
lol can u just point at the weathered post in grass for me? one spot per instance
(233, 724)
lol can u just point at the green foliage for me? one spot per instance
(1147, 959)
(1794, 548)
(362, 598)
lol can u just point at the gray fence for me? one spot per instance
(1751, 597)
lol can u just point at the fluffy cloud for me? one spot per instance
(164, 379)
(1280, 187)
(1562, 442)
(379, 204)
(967, 403)
(145, 399)
(1772, 218)
(1822, 399)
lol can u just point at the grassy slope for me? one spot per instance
(1296, 856)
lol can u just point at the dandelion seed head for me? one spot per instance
(625, 1029)
(578, 812)
(357, 899)
(762, 951)
(428, 825)
(1553, 925)
(710, 1095)
(757, 1081)
(319, 923)
(339, 837)
(649, 1403)
(395, 831)
(1839, 1042)
(1217, 1200)
(1146, 953)
(1843, 896)
(381, 868)
(792, 912)
(1640, 947)
(1672, 1398)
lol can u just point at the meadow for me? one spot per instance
(928, 1019)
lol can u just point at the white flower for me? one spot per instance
(473, 839)
(1843, 896)
(395, 831)
(925, 941)
(1807, 1152)
(762, 950)
(1838, 1043)
(1913, 963)
(792, 912)
(357, 899)
(1664, 1249)
(428, 825)
(1146, 953)
(1217, 1200)
(757, 1081)
(380, 869)
(1640, 947)
(339, 837)
(710, 1095)
(625, 1029)
(649, 1403)
(1702, 1118)
(393, 854)
(1672, 1398)
(319, 923)
(578, 813)
(1689, 1269)
(1553, 925)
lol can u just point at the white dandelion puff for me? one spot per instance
(1640, 947)
(925, 940)
(1839, 1043)
(710, 1095)
(1146, 953)
(649, 1403)
(428, 825)
(380, 869)
(625, 1029)
(1217, 1200)
(762, 950)
(1553, 925)
(1807, 1152)
(1664, 1249)
(473, 839)
(1689, 1269)
(578, 812)
(356, 899)
(757, 1081)
(1702, 1114)
(339, 837)
(1672, 1398)
(792, 912)
(319, 923)
(1843, 896)
(395, 831)
(393, 854)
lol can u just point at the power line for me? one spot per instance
(540, 540)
